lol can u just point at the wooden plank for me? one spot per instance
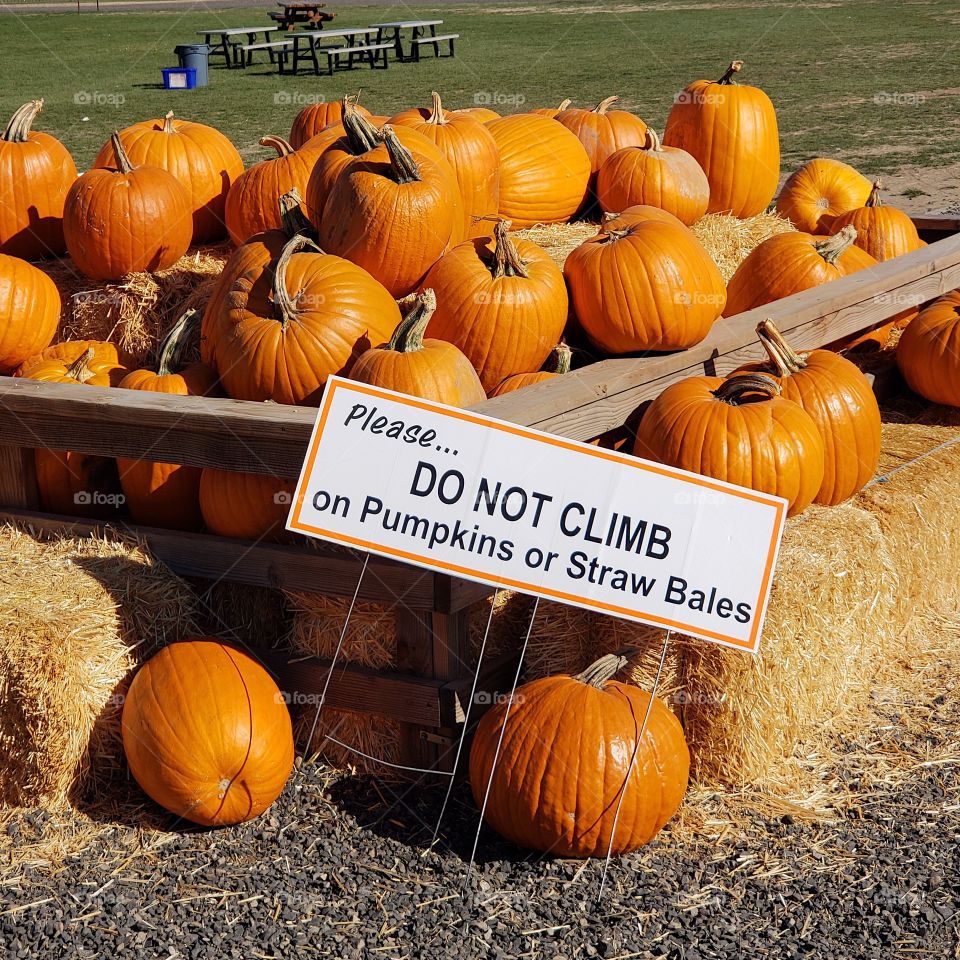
(496, 678)
(311, 567)
(415, 654)
(935, 226)
(587, 402)
(18, 477)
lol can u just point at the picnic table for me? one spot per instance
(392, 30)
(300, 11)
(225, 46)
(308, 43)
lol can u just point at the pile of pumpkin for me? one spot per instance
(381, 248)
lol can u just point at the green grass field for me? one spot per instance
(867, 81)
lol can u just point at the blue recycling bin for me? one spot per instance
(195, 55)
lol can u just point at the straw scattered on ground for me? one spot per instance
(729, 239)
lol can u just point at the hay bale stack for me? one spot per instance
(729, 239)
(75, 617)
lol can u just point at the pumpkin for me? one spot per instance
(256, 254)
(639, 213)
(168, 494)
(36, 171)
(502, 301)
(207, 733)
(646, 286)
(884, 232)
(316, 117)
(819, 192)
(928, 353)
(550, 112)
(73, 483)
(245, 506)
(99, 353)
(557, 365)
(431, 369)
(29, 312)
(293, 323)
(740, 430)
(483, 114)
(544, 170)
(252, 201)
(470, 149)
(731, 131)
(569, 758)
(126, 220)
(393, 214)
(790, 262)
(202, 159)
(840, 402)
(654, 175)
(603, 131)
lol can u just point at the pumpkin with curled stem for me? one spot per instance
(552, 112)
(564, 757)
(928, 352)
(819, 192)
(740, 430)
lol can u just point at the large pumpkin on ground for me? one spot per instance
(207, 733)
(928, 353)
(645, 286)
(558, 763)
(502, 301)
(884, 232)
(126, 219)
(731, 130)
(36, 171)
(29, 312)
(316, 117)
(544, 170)
(201, 159)
(819, 192)
(245, 506)
(739, 430)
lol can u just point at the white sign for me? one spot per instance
(512, 507)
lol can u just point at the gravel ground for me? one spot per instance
(342, 868)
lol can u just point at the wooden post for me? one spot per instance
(18, 478)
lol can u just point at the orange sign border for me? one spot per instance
(335, 383)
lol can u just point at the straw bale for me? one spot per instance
(76, 615)
(559, 240)
(243, 613)
(729, 239)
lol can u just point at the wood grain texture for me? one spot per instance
(18, 477)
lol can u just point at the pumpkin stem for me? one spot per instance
(564, 104)
(506, 257)
(874, 199)
(602, 671)
(783, 357)
(833, 247)
(80, 370)
(120, 155)
(168, 126)
(735, 67)
(559, 360)
(18, 129)
(285, 306)
(360, 132)
(735, 388)
(291, 214)
(278, 143)
(604, 105)
(176, 343)
(436, 115)
(405, 168)
(652, 141)
(408, 337)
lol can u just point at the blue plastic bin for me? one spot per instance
(194, 55)
(179, 78)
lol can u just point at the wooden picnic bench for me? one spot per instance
(392, 30)
(294, 13)
(225, 46)
(310, 45)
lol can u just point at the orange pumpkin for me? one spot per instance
(819, 192)
(569, 759)
(884, 232)
(790, 262)
(29, 312)
(502, 301)
(483, 114)
(245, 506)
(202, 159)
(739, 430)
(393, 214)
(731, 131)
(603, 131)
(544, 170)
(550, 112)
(252, 201)
(639, 213)
(470, 149)
(316, 117)
(168, 494)
(126, 220)
(207, 734)
(36, 171)
(654, 175)
(432, 369)
(558, 364)
(646, 286)
(928, 353)
(841, 403)
(290, 325)
(68, 352)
